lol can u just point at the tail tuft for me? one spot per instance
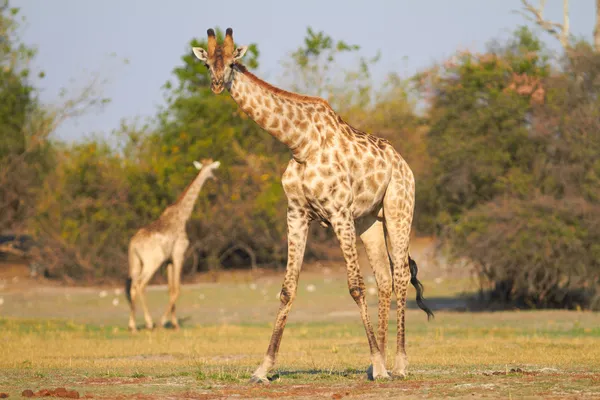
(128, 283)
(419, 287)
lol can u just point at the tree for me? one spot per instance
(478, 142)
(558, 30)
(597, 28)
(83, 219)
(513, 188)
(314, 68)
(24, 150)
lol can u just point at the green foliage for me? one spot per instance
(24, 151)
(514, 187)
(315, 69)
(534, 253)
(478, 137)
(83, 218)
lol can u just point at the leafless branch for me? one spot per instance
(597, 28)
(240, 246)
(558, 30)
(9, 249)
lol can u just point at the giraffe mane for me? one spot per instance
(280, 92)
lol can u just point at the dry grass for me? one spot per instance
(324, 351)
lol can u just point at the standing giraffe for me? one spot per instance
(164, 241)
(339, 176)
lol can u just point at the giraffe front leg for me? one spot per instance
(298, 222)
(345, 230)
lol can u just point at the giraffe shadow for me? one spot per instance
(316, 372)
(456, 303)
(168, 325)
(180, 321)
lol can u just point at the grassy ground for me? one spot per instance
(76, 338)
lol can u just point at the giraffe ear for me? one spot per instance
(239, 52)
(200, 53)
(197, 165)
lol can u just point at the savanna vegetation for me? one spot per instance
(548, 354)
(503, 144)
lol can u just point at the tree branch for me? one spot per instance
(240, 246)
(559, 31)
(597, 28)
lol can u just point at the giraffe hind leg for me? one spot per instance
(372, 235)
(174, 277)
(168, 312)
(143, 282)
(135, 268)
(345, 230)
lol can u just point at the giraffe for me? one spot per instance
(343, 178)
(164, 241)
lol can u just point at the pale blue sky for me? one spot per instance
(75, 39)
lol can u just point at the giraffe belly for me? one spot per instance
(325, 199)
(368, 193)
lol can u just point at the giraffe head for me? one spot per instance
(219, 59)
(207, 166)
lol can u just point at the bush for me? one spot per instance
(514, 186)
(540, 253)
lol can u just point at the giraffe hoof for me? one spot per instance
(170, 325)
(380, 375)
(398, 375)
(258, 379)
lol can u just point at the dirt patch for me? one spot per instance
(337, 396)
(114, 381)
(311, 390)
(514, 371)
(58, 392)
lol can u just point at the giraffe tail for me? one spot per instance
(128, 283)
(412, 265)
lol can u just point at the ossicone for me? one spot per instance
(212, 42)
(228, 42)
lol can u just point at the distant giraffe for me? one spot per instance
(339, 176)
(163, 241)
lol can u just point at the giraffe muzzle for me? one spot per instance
(217, 86)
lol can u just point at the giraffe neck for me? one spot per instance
(290, 118)
(185, 204)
